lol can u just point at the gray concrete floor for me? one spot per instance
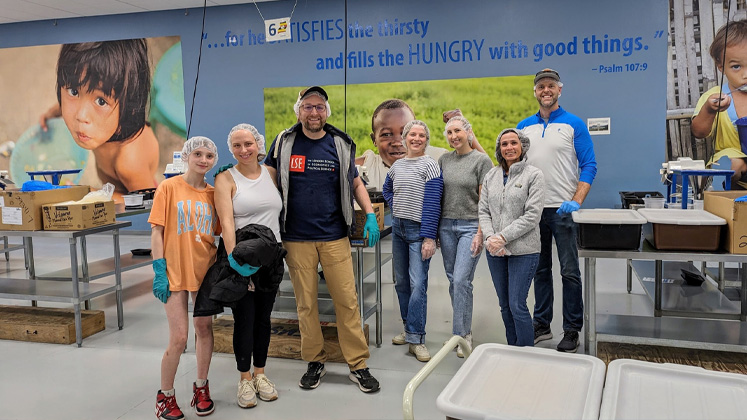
(115, 375)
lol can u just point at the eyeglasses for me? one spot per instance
(309, 108)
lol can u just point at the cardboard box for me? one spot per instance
(360, 220)
(23, 210)
(721, 203)
(77, 216)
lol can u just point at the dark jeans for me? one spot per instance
(411, 278)
(564, 230)
(251, 329)
(512, 276)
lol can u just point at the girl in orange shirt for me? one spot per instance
(184, 223)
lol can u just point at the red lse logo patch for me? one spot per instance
(297, 163)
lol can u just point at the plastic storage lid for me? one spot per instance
(681, 217)
(645, 390)
(609, 217)
(506, 382)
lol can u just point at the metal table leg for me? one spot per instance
(118, 278)
(28, 255)
(359, 284)
(743, 278)
(379, 317)
(84, 266)
(590, 306)
(5, 242)
(28, 244)
(76, 291)
(657, 288)
(629, 270)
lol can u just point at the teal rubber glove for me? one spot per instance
(741, 199)
(223, 168)
(568, 207)
(371, 229)
(245, 270)
(161, 281)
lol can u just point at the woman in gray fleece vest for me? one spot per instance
(511, 203)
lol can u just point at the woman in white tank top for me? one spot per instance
(244, 195)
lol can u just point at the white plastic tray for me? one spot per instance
(645, 390)
(681, 217)
(608, 217)
(505, 382)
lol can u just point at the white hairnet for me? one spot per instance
(466, 126)
(409, 126)
(260, 139)
(297, 105)
(197, 142)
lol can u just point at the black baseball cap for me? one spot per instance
(552, 74)
(304, 92)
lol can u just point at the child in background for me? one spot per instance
(102, 90)
(184, 223)
(729, 52)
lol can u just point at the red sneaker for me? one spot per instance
(201, 400)
(167, 408)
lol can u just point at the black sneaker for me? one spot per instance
(542, 333)
(313, 375)
(366, 382)
(569, 343)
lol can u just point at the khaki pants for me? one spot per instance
(303, 259)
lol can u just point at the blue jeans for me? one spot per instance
(411, 277)
(512, 276)
(564, 230)
(456, 238)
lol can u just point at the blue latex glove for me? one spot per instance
(245, 270)
(161, 281)
(741, 199)
(568, 207)
(223, 168)
(371, 229)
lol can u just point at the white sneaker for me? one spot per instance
(399, 339)
(420, 351)
(468, 338)
(265, 388)
(247, 394)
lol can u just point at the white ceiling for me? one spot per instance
(27, 10)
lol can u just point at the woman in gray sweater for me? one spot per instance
(511, 203)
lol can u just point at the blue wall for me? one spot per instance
(232, 78)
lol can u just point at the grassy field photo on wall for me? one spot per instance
(490, 104)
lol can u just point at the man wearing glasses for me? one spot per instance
(313, 164)
(563, 150)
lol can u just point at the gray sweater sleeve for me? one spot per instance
(532, 209)
(483, 206)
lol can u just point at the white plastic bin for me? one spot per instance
(645, 390)
(609, 228)
(686, 230)
(505, 382)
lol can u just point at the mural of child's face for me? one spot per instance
(92, 117)
(735, 69)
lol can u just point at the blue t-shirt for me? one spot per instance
(313, 211)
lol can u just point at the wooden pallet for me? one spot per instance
(712, 360)
(285, 341)
(46, 325)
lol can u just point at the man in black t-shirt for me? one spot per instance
(313, 164)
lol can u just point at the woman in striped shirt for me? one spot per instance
(413, 189)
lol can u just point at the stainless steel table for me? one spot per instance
(365, 263)
(48, 288)
(659, 327)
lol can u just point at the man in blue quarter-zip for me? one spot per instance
(563, 150)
